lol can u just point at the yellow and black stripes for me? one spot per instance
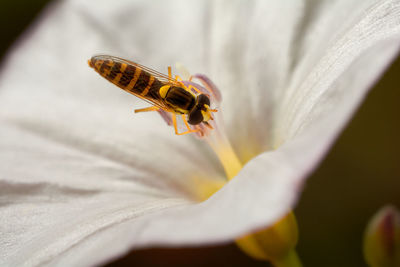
(131, 76)
(128, 77)
(144, 84)
(162, 91)
(148, 86)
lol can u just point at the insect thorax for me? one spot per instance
(180, 99)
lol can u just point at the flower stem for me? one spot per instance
(291, 260)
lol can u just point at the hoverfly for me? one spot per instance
(162, 91)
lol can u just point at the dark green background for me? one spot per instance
(359, 175)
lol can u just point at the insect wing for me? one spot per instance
(160, 76)
(152, 101)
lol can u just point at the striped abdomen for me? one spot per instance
(126, 76)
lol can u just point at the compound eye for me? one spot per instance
(203, 100)
(195, 117)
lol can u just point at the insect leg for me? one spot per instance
(186, 123)
(153, 108)
(190, 87)
(174, 122)
(169, 72)
(208, 125)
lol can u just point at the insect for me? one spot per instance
(162, 91)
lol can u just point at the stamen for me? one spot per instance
(208, 125)
(209, 85)
(166, 116)
(212, 131)
(217, 138)
(219, 142)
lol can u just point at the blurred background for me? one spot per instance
(360, 174)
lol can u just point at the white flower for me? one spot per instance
(83, 179)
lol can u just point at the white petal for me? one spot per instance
(74, 158)
(334, 76)
(84, 181)
(250, 59)
(60, 98)
(269, 54)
